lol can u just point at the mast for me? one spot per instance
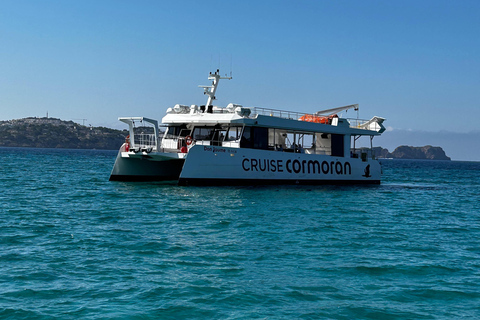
(210, 90)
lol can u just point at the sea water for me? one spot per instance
(75, 246)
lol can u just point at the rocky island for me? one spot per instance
(409, 152)
(55, 133)
(33, 132)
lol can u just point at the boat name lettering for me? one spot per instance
(218, 149)
(297, 166)
(262, 165)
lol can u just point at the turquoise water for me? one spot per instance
(75, 246)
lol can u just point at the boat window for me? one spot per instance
(203, 133)
(292, 141)
(260, 138)
(306, 140)
(246, 140)
(277, 139)
(323, 143)
(184, 132)
(233, 133)
(254, 137)
(289, 140)
(216, 134)
(337, 145)
(174, 131)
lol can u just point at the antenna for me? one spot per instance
(216, 61)
(210, 90)
(81, 120)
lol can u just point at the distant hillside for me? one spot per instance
(56, 133)
(408, 152)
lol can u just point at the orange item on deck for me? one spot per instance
(312, 118)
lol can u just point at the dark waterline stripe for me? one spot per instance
(244, 182)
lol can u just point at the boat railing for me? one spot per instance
(311, 117)
(276, 113)
(364, 124)
(141, 133)
(145, 141)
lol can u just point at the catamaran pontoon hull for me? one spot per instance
(145, 167)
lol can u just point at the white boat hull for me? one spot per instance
(146, 167)
(209, 165)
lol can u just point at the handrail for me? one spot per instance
(276, 113)
(294, 115)
(145, 140)
(361, 124)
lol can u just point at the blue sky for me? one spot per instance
(415, 63)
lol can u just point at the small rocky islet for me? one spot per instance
(47, 132)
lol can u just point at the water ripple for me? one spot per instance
(75, 245)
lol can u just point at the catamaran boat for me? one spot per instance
(235, 145)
